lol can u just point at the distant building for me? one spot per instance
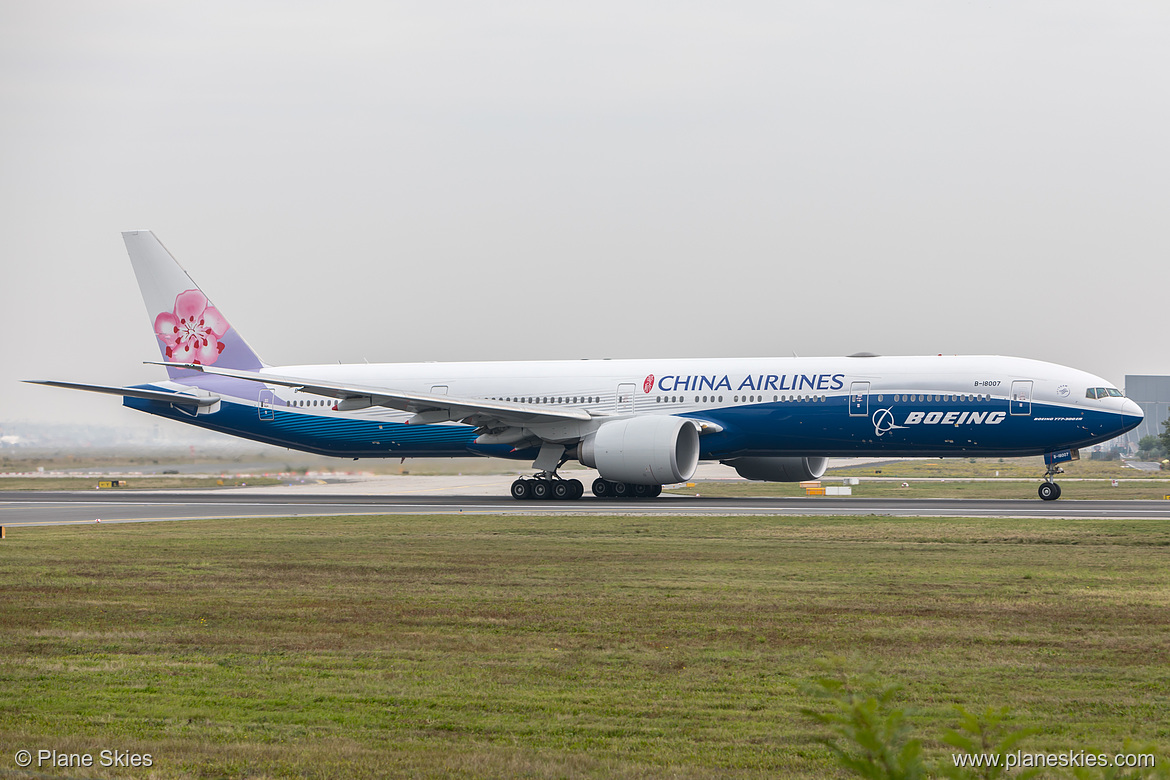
(1152, 394)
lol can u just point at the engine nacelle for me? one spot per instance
(648, 450)
(779, 469)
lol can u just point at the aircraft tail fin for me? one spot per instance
(187, 325)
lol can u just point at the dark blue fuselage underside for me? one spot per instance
(787, 428)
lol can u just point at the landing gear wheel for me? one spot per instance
(1049, 491)
(641, 491)
(521, 490)
(578, 489)
(541, 489)
(621, 489)
(655, 491)
(601, 488)
(562, 491)
(1057, 489)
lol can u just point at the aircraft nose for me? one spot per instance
(1131, 409)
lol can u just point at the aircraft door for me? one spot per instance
(625, 398)
(1021, 400)
(266, 400)
(859, 399)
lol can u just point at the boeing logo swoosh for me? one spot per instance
(883, 422)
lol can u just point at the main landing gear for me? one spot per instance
(545, 487)
(550, 487)
(1049, 490)
(604, 488)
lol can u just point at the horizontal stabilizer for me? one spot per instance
(182, 399)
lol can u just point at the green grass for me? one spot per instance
(134, 483)
(566, 646)
(952, 488)
(1021, 468)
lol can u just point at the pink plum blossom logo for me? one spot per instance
(193, 330)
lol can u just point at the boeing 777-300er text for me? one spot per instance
(640, 423)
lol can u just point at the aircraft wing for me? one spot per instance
(182, 399)
(427, 408)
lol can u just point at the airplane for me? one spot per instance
(641, 424)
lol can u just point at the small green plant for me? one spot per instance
(870, 735)
(986, 734)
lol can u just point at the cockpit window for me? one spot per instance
(1114, 392)
(1103, 392)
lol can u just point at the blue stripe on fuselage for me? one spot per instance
(785, 428)
(337, 436)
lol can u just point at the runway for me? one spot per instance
(62, 508)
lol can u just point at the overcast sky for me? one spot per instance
(457, 181)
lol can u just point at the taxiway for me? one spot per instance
(58, 508)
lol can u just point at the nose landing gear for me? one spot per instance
(1049, 490)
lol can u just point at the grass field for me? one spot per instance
(1020, 468)
(967, 478)
(270, 459)
(134, 483)
(566, 646)
(1071, 490)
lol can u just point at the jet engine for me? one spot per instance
(779, 469)
(648, 450)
